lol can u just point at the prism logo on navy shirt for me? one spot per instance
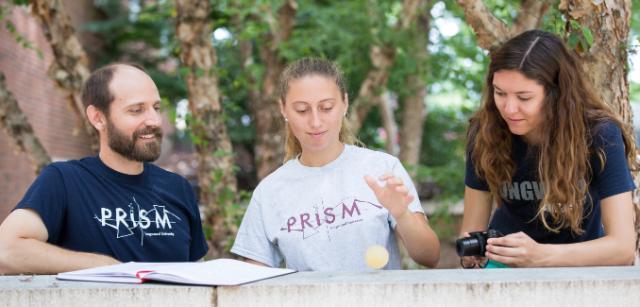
(154, 222)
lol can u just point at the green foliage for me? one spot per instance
(234, 212)
(145, 36)
(234, 85)
(580, 37)
(634, 92)
(443, 148)
(554, 21)
(443, 222)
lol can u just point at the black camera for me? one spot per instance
(476, 243)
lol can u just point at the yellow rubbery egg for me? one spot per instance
(376, 257)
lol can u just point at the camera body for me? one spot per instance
(476, 243)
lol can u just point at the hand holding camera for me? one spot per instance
(473, 246)
(513, 250)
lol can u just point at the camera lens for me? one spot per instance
(468, 247)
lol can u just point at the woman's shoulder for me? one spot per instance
(366, 155)
(606, 132)
(278, 174)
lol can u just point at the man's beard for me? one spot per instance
(129, 148)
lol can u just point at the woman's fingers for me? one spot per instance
(504, 251)
(408, 198)
(377, 189)
(511, 240)
(391, 182)
(402, 189)
(511, 261)
(385, 176)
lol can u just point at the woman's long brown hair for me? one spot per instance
(572, 115)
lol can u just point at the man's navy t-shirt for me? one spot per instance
(520, 197)
(88, 207)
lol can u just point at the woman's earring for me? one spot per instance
(286, 119)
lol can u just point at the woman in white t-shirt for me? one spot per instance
(330, 201)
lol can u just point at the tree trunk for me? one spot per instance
(269, 149)
(16, 125)
(387, 102)
(414, 108)
(382, 57)
(492, 32)
(604, 62)
(216, 178)
(413, 117)
(70, 67)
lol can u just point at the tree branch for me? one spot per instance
(530, 15)
(17, 126)
(382, 57)
(410, 11)
(490, 31)
(70, 67)
(370, 89)
(389, 122)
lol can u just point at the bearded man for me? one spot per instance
(115, 207)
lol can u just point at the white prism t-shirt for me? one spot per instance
(322, 218)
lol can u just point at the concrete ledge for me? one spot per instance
(598, 286)
(47, 291)
(601, 286)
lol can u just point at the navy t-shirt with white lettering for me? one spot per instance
(88, 207)
(520, 198)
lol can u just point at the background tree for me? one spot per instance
(12, 119)
(492, 32)
(382, 55)
(216, 178)
(277, 19)
(598, 32)
(17, 126)
(71, 65)
(414, 107)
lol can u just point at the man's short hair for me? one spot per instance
(96, 89)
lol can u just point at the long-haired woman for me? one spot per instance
(553, 157)
(330, 201)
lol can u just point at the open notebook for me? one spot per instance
(219, 272)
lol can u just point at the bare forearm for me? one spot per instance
(419, 239)
(477, 210)
(603, 251)
(617, 247)
(37, 257)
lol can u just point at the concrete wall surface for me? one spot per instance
(597, 286)
(47, 291)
